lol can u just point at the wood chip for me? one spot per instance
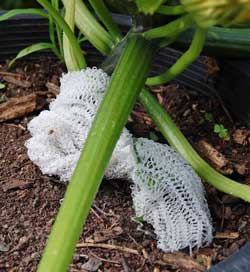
(182, 261)
(92, 264)
(53, 88)
(4, 247)
(4, 73)
(17, 81)
(243, 167)
(105, 235)
(16, 184)
(241, 136)
(18, 107)
(227, 235)
(217, 159)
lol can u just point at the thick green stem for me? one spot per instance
(184, 61)
(91, 29)
(125, 85)
(177, 140)
(171, 10)
(70, 58)
(106, 18)
(170, 30)
(57, 17)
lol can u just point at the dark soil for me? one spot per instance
(29, 200)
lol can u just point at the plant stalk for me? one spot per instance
(91, 28)
(69, 57)
(105, 17)
(178, 141)
(170, 30)
(184, 61)
(125, 85)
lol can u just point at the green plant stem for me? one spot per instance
(60, 21)
(125, 85)
(170, 30)
(184, 61)
(52, 36)
(55, 4)
(69, 56)
(171, 10)
(106, 18)
(91, 29)
(178, 141)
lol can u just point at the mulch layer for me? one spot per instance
(111, 240)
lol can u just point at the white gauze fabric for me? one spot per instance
(169, 195)
(166, 191)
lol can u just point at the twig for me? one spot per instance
(96, 214)
(3, 73)
(107, 246)
(226, 235)
(104, 260)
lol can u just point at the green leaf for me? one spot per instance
(15, 12)
(31, 49)
(2, 86)
(208, 116)
(217, 128)
(138, 219)
(149, 6)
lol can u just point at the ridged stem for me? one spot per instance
(178, 141)
(184, 61)
(125, 85)
(70, 58)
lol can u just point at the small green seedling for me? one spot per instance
(222, 132)
(138, 219)
(153, 136)
(208, 116)
(2, 86)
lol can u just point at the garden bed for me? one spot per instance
(111, 240)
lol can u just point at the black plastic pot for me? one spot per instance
(232, 83)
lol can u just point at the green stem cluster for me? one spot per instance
(93, 31)
(70, 35)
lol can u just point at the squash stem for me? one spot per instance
(126, 82)
(179, 142)
(184, 61)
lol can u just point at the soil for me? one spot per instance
(111, 239)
